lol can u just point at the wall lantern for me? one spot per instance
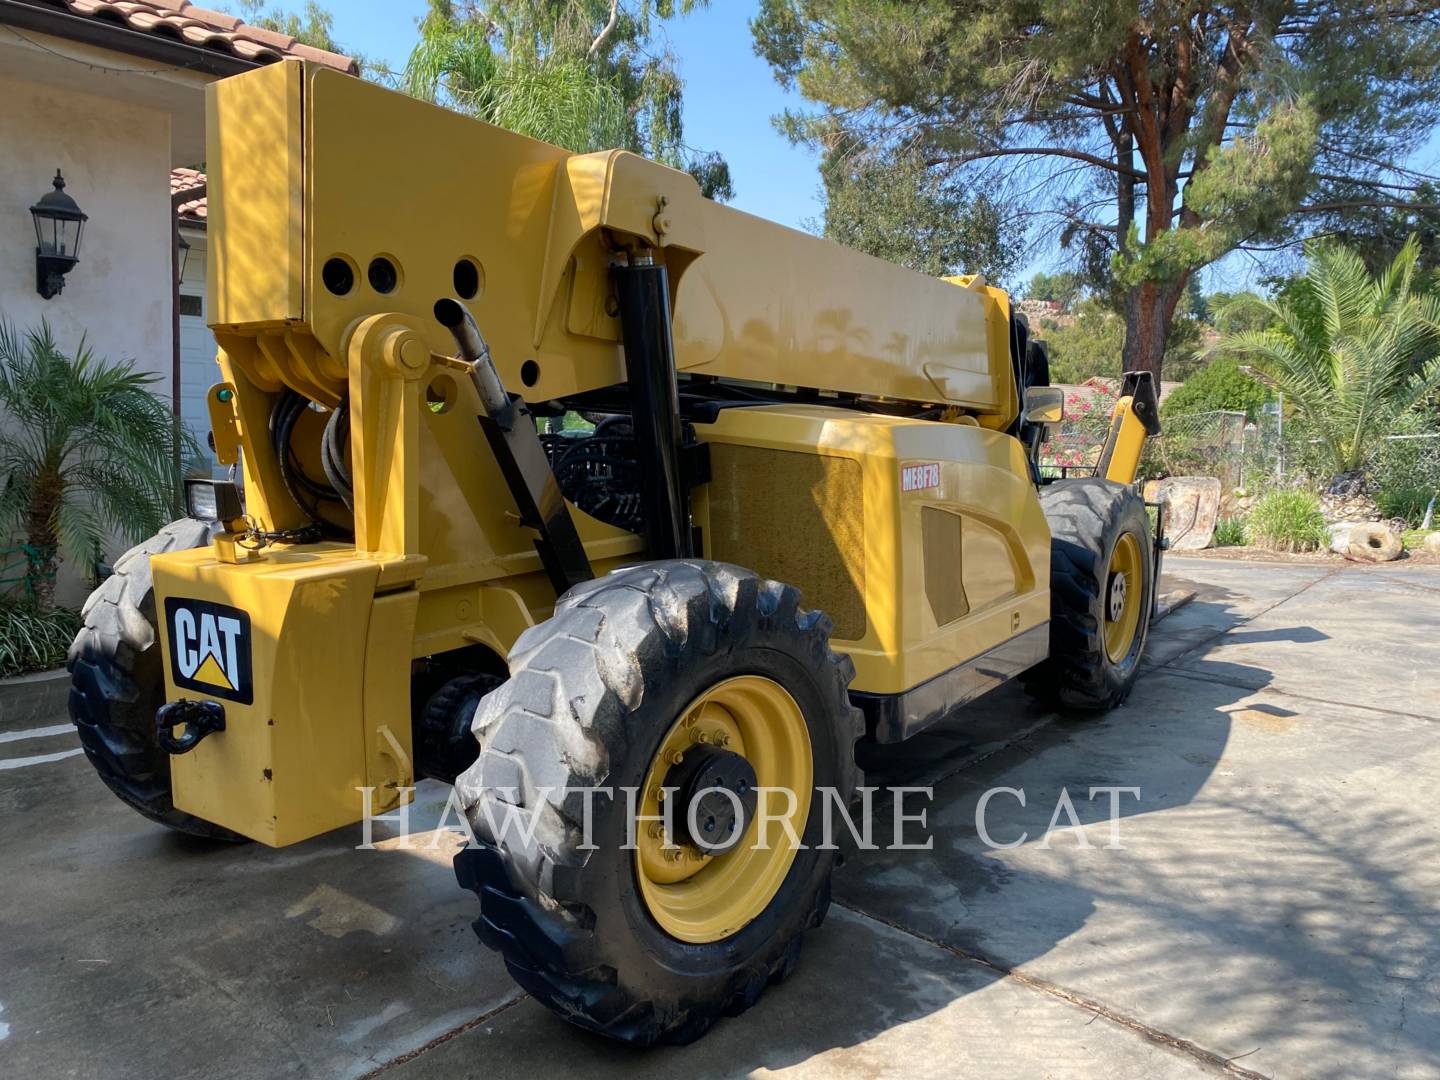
(184, 249)
(58, 224)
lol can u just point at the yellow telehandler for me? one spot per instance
(552, 478)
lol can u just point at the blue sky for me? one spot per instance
(730, 96)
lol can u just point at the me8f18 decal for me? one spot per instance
(210, 648)
(920, 477)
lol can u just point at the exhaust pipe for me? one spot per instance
(515, 441)
(456, 318)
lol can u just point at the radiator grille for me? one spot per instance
(797, 518)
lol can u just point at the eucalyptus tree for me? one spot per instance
(584, 74)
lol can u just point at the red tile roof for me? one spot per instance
(195, 210)
(193, 25)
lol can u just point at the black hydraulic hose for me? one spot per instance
(509, 427)
(307, 492)
(335, 454)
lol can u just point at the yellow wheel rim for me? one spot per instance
(1124, 591)
(700, 897)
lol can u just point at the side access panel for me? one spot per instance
(923, 541)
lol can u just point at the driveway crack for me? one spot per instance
(1207, 1058)
(1275, 691)
(444, 1037)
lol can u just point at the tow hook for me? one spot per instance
(200, 718)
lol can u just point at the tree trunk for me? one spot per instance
(41, 549)
(1149, 310)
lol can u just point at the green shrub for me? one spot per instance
(1406, 503)
(1219, 385)
(1230, 532)
(1288, 521)
(33, 638)
(1358, 361)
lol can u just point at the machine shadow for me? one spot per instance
(914, 932)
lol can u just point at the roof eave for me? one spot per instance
(109, 35)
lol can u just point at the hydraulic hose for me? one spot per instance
(307, 492)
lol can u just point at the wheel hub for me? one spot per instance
(1124, 595)
(1117, 596)
(715, 797)
(750, 733)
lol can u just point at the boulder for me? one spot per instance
(1432, 544)
(1340, 536)
(1192, 505)
(1371, 542)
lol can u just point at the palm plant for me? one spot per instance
(1351, 351)
(86, 452)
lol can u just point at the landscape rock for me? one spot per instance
(1354, 506)
(1348, 483)
(1192, 506)
(1237, 502)
(1371, 542)
(1432, 544)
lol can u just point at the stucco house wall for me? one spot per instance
(114, 96)
(115, 157)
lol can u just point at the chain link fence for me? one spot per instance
(1219, 443)
(1273, 450)
(1251, 455)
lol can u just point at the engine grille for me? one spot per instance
(763, 515)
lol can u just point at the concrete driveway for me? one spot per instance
(1273, 909)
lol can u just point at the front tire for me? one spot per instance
(117, 683)
(595, 700)
(1102, 589)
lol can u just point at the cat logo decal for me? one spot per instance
(210, 648)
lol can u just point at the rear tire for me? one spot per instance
(117, 684)
(1095, 525)
(592, 695)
